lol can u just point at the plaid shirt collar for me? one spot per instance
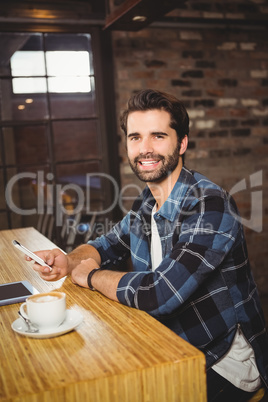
(173, 204)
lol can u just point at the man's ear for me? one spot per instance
(184, 145)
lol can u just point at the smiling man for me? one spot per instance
(153, 154)
(188, 251)
(154, 151)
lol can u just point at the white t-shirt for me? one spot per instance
(156, 248)
(239, 365)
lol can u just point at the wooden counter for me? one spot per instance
(116, 354)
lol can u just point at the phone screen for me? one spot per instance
(13, 290)
(16, 292)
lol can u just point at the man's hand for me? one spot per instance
(63, 264)
(54, 258)
(81, 271)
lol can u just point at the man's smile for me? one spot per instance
(148, 163)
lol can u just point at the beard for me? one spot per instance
(168, 165)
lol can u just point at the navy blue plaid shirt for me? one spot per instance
(203, 289)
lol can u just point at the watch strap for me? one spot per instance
(90, 277)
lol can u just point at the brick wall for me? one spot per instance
(221, 75)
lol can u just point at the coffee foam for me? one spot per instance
(46, 297)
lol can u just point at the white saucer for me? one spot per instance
(72, 320)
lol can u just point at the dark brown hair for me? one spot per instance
(150, 99)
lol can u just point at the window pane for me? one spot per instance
(27, 63)
(29, 85)
(76, 172)
(75, 181)
(21, 106)
(78, 105)
(75, 140)
(9, 145)
(10, 43)
(67, 63)
(24, 184)
(70, 42)
(6, 99)
(30, 107)
(23, 195)
(28, 145)
(69, 84)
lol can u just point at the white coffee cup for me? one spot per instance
(46, 310)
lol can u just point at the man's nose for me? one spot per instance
(146, 146)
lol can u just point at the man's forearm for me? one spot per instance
(82, 253)
(82, 261)
(106, 282)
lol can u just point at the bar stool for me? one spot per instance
(257, 396)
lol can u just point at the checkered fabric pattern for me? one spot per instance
(203, 289)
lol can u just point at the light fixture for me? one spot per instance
(139, 18)
(21, 107)
(29, 100)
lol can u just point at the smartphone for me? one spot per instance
(30, 254)
(16, 292)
